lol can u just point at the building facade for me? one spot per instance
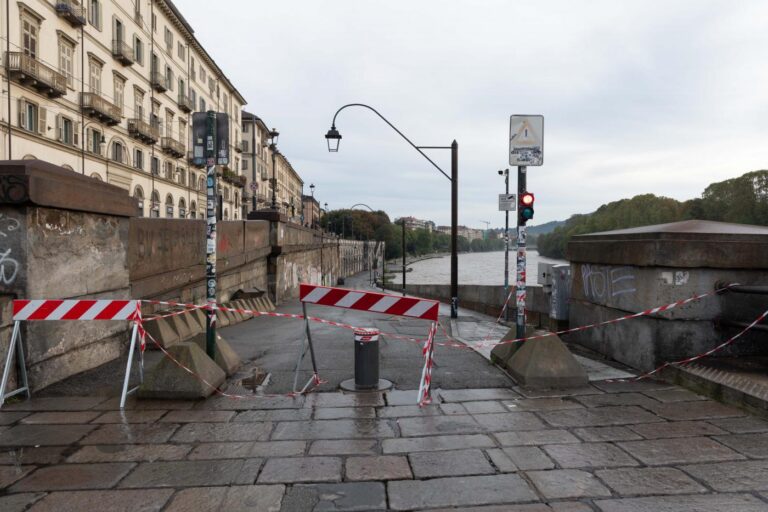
(311, 210)
(106, 88)
(257, 161)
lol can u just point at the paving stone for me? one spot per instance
(59, 418)
(754, 446)
(589, 455)
(42, 455)
(185, 473)
(674, 395)
(137, 433)
(9, 418)
(501, 460)
(509, 421)
(555, 392)
(632, 386)
(695, 503)
(567, 483)
(528, 458)
(198, 416)
(485, 407)
(617, 399)
(334, 429)
(278, 448)
(542, 404)
(472, 395)
(531, 507)
(732, 476)
(136, 416)
(43, 435)
(599, 416)
(247, 474)
(59, 403)
(207, 451)
(649, 481)
(334, 413)
(676, 429)
(301, 469)
(378, 468)
(274, 415)
(430, 425)
(458, 491)
(222, 432)
(700, 410)
(241, 498)
(679, 451)
(404, 411)
(10, 474)
(450, 463)
(66, 477)
(345, 400)
(19, 502)
(436, 443)
(130, 453)
(145, 500)
(452, 408)
(744, 425)
(571, 506)
(535, 437)
(599, 434)
(358, 496)
(245, 404)
(344, 447)
(113, 404)
(406, 397)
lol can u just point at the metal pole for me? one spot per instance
(402, 223)
(520, 283)
(210, 253)
(506, 250)
(253, 163)
(274, 178)
(8, 74)
(454, 229)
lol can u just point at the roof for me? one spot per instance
(709, 227)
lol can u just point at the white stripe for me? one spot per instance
(27, 310)
(384, 304)
(349, 299)
(94, 310)
(316, 294)
(62, 310)
(419, 308)
(127, 311)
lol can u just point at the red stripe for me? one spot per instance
(305, 289)
(18, 305)
(110, 311)
(401, 306)
(78, 310)
(367, 301)
(45, 309)
(431, 313)
(333, 296)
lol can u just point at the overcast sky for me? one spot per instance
(646, 96)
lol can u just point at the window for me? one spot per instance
(169, 77)
(202, 105)
(192, 70)
(202, 75)
(66, 60)
(138, 194)
(182, 87)
(193, 210)
(94, 76)
(245, 164)
(169, 206)
(94, 141)
(182, 209)
(182, 51)
(138, 49)
(30, 30)
(183, 132)
(155, 211)
(118, 34)
(245, 146)
(168, 40)
(119, 97)
(154, 22)
(94, 14)
(138, 159)
(28, 116)
(138, 104)
(66, 131)
(169, 171)
(118, 151)
(155, 166)
(193, 97)
(182, 176)
(168, 123)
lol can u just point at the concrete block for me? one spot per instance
(226, 357)
(162, 331)
(237, 315)
(242, 305)
(252, 305)
(181, 326)
(222, 319)
(501, 353)
(196, 323)
(261, 304)
(169, 381)
(546, 363)
(270, 305)
(201, 317)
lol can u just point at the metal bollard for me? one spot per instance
(366, 358)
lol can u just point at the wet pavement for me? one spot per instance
(484, 445)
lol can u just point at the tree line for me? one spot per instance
(743, 200)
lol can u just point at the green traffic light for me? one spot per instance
(527, 213)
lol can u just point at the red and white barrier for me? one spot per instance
(372, 302)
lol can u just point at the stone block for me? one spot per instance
(546, 363)
(168, 380)
(236, 316)
(261, 304)
(162, 332)
(222, 319)
(501, 353)
(244, 307)
(226, 358)
(252, 304)
(180, 325)
(200, 317)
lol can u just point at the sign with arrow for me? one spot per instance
(526, 140)
(507, 202)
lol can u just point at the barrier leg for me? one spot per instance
(24, 388)
(302, 352)
(125, 392)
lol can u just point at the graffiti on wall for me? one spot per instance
(602, 282)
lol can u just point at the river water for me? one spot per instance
(485, 268)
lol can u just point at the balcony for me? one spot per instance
(123, 52)
(239, 146)
(96, 106)
(172, 147)
(71, 11)
(29, 71)
(159, 82)
(199, 163)
(143, 131)
(185, 103)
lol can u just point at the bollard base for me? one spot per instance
(349, 385)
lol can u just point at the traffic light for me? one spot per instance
(525, 208)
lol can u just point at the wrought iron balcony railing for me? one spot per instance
(123, 52)
(159, 81)
(172, 147)
(185, 103)
(27, 70)
(96, 106)
(71, 11)
(143, 131)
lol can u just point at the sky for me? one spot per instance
(661, 97)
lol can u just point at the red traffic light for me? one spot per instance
(526, 199)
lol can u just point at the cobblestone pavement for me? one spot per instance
(611, 447)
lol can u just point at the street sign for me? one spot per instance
(507, 202)
(222, 139)
(526, 140)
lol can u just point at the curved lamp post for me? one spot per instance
(273, 135)
(333, 137)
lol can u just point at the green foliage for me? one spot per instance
(742, 200)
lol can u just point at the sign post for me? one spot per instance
(507, 203)
(526, 148)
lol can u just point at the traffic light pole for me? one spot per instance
(506, 250)
(520, 283)
(210, 238)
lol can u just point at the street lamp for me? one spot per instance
(505, 173)
(273, 135)
(312, 206)
(333, 137)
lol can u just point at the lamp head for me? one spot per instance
(334, 138)
(273, 135)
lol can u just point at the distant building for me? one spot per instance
(468, 233)
(414, 223)
(311, 210)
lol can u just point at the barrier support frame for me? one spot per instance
(15, 340)
(303, 352)
(125, 392)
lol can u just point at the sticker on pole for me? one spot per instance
(507, 202)
(526, 140)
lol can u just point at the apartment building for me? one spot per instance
(106, 88)
(290, 188)
(257, 161)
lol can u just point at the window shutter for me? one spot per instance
(22, 110)
(59, 129)
(76, 134)
(42, 121)
(89, 140)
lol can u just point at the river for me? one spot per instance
(475, 268)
